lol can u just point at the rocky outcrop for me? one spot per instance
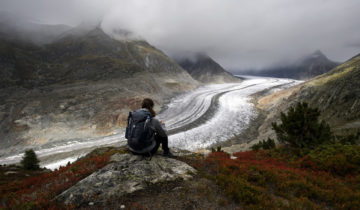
(204, 69)
(123, 175)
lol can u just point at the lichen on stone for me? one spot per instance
(125, 174)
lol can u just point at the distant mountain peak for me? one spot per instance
(318, 54)
(316, 57)
(191, 57)
(97, 31)
(202, 56)
(84, 29)
(306, 67)
(203, 68)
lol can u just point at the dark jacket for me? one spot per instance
(158, 129)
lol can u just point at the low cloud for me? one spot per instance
(238, 34)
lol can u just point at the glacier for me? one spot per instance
(195, 120)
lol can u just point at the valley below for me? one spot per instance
(195, 120)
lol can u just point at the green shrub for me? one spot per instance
(30, 160)
(268, 144)
(300, 127)
(350, 139)
(218, 149)
(337, 158)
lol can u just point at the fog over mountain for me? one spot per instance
(305, 68)
(237, 34)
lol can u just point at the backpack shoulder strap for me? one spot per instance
(128, 126)
(129, 117)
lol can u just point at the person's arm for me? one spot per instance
(158, 128)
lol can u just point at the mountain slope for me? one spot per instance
(75, 58)
(81, 86)
(205, 69)
(308, 67)
(336, 94)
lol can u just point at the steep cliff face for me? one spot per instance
(336, 94)
(80, 86)
(307, 67)
(206, 70)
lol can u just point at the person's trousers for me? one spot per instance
(164, 144)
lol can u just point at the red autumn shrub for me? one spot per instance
(39, 191)
(258, 180)
(338, 159)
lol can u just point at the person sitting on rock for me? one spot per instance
(145, 133)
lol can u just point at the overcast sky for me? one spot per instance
(239, 34)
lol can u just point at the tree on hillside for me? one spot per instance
(301, 128)
(30, 160)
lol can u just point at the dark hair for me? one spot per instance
(148, 104)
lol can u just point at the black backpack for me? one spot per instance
(139, 135)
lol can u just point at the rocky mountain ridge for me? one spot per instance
(204, 69)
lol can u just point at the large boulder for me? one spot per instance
(125, 174)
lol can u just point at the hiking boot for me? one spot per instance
(168, 154)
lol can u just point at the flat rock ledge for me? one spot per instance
(125, 174)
